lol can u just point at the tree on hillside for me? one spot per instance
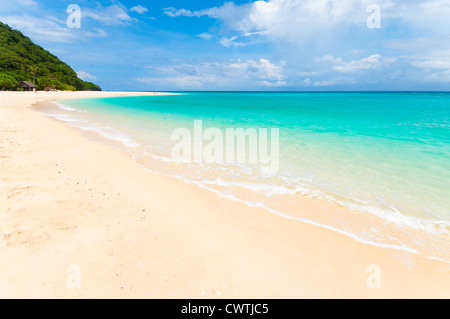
(47, 83)
(33, 70)
(7, 82)
(23, 60)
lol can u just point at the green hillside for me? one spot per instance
(22, 60)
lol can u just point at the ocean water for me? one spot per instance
(378, 162)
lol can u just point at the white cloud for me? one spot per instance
(231, 41)
(330, 71)
(86, 76)
(334, 81)
(8, 4)
(413, 43)
(41, 28)
(230, 13)
(50, 28)
(330, 59)
(227, 42)
(433, 67)
(139, 9)
(228, 74)
(286, 18)
(272, 84)
(429, 16)
(296, 22)
(282, 19)
(308, 73)
(180, 81)
(205, 36)
(443, 76)
(431, 75)
(443, 63)
(98, 33)
(262, 69)
(27, 2)
(417, 43)
(370, 62)
(112, 15)
(172, 12)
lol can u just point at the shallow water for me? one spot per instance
(384, 158)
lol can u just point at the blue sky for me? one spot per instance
(309, 45)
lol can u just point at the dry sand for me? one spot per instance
(69, 203)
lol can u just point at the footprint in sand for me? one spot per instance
(20, 238)
(70, 205)
(20, 192)
(63, 226)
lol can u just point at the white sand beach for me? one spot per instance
(72, 205)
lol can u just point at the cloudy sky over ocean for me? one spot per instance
(245, 45)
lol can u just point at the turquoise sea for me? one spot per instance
(382, 158)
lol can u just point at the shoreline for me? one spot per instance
(121, 225)
(360, 218)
